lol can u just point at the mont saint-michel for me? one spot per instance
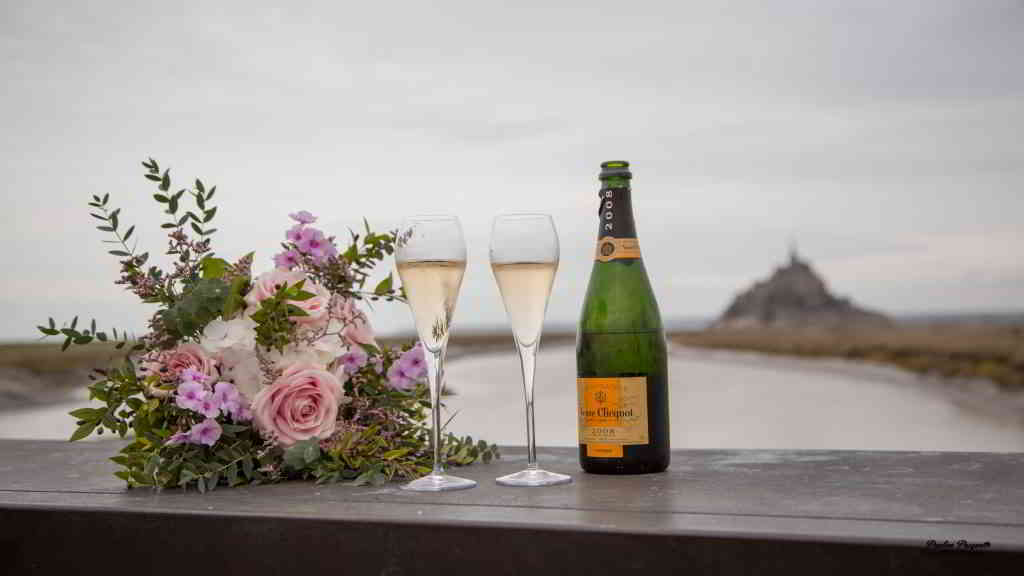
(795, 296)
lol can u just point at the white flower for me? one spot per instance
(220, 335)
(328, 349)
(293, 355)
(242, 367)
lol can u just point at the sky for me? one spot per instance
(884, 138)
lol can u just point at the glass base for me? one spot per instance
(534, 477)
(439, 483)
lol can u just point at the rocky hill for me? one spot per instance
(795, 296)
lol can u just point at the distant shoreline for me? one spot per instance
(33, 374)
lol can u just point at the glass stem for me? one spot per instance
(435, 377)
(528, 358)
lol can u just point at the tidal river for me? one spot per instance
(719, 400)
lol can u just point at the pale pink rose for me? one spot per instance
(265, 285)
(357, 329)
(169, 365)
(302, 403)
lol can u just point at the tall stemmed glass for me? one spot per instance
(431, 259)
(524, 259)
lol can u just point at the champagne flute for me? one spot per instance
(524, 259)
(431, 260)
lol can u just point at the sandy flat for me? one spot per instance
(719, 399)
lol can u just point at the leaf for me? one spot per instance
(301, 296)
(199, 186)
(48, 331)
(83, 431)
(364, 478)
(165, 180)
(304, 452)
(88, 413)
(311, 453)
(98, 217)
(74, 322)
(153, 177)
(214, 267)
(235, 299)
(212, 480)
(197, 229)
(160, 197)
(119, 253)
(384, 286)
(392, 454)
(105, 228)
(247, 466)
(232, 471)
(209, 214)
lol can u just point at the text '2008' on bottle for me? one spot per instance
(621, 357)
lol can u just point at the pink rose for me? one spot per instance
(357, 329)
(265, 285)
(169, 365)
(302, 403)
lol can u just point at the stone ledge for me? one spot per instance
(720, 511)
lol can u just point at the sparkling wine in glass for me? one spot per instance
(431, 260)
(524, 259)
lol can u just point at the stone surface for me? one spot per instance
(725, 511)
(795, 296)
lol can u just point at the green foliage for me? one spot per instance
(275, 328)
(87, 336)
(203, 302)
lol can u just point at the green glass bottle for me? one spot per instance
(621, 356)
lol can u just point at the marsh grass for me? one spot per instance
(994, 352)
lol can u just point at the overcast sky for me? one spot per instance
(884, 137)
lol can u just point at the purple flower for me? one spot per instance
(398, 380)
(287, 260)
(302, 217)
(192, 375)
(190, 395)
(209, 406)
(231, 402)
(295, 233)
(354, 359)
(378, 364)
(326, 252)
(243, 413)
(412, 364)
(206, 432)
(178, 438)
(311, 241)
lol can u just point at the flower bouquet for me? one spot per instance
(245, 379)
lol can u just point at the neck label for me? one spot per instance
(616, 236)
(611, 248)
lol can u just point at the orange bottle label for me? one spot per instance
(610, 248)
(613, 414)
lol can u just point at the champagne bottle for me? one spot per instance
(621, 356)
